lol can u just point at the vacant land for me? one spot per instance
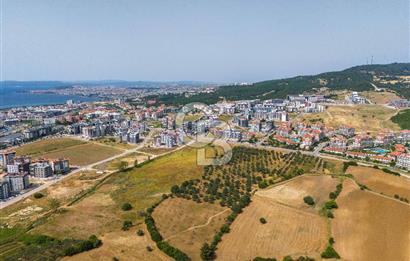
(83, 155)
(100, 212)
(80, 153)
(288, 231)
(291, 193)
(380, 97)
(38, 148)
(130, 160)
(115, 142)
(381, 182)
(402, 119)
(31, 208)
(155, 151)
(124, 245)
(370, 227)
(187, 225)
(361, 117)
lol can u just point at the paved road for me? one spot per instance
(84, 168)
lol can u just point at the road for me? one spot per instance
(84, 168)
(316, 153)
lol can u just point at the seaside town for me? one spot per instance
(266, 123)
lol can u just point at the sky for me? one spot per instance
(209, 40)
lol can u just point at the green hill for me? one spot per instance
(358, 78)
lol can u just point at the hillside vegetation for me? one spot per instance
(359, 78)
(402, 119)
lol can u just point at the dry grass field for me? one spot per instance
(84, 154)
(363, 118)
(115, 164)
(40, 147)
(80, 153)
(187, 225)
(370, 227)
(381, 182)
(288, 231)
(380, 97)
(124, 245)
(292, 192)
(30, 209)
(100, 212)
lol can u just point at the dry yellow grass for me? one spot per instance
(85, 154)
(288, 231)
(361, 117)
(291, 193)
(100, 212)
(380, 97)
(125, 245)
(381, 182)
(187, 225)
(370, 227)
(28, 210)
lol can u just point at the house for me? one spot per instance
(403, 161)
(17, 182)
(362, 141)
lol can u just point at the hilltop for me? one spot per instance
(358, 78)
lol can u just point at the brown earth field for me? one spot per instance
(364, 118)
(187, 225)
(31, 208)
(292, 192)
(288, 231)
(368, 226)
(381, 182)
(84, 154)
(292, 227)
(380, 97)
(124, 245)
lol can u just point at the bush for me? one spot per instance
(309, 200)
(331, 204)
(127, 224)
(126, 206)
(207, 252)
(140, 232)
(172, 251)
(330, 252)
(263, 259)
(38, 195)
(152, 229)
(347, 164)
(262, 220)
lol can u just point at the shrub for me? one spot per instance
(309, 200)
(126, 225)
(38, 195)
(126, 206)
(263, 259)
(152, 229)
(262, 220)
(207, 252)
(140, 232)
(330, 252)
(172, 251)
(331, 204)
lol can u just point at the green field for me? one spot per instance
(402, 119)
(79, 152)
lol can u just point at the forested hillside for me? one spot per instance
(358, 78)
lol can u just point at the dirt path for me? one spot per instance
(198, 226)
(381, 195)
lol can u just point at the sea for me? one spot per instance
(17, 94)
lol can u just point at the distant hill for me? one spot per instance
(358, 78)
